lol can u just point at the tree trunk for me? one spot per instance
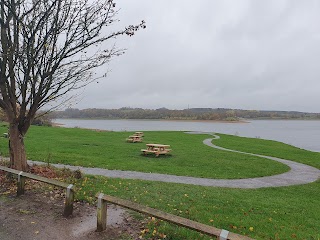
(18, 158)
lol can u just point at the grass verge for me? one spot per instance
(269, 148)
(268, 213)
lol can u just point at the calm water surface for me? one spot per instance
(303, 134)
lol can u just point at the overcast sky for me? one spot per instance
(244, 54)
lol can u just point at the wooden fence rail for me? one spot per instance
(187, 223)
(68, 206)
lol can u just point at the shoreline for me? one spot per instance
(168, 120)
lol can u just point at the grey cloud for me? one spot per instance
(235, 53)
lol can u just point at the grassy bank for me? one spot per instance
(269, 148)
(190, 157)
(267, 213)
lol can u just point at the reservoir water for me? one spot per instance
(300, 133)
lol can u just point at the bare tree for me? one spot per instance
(47, 49)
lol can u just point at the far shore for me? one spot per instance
(56, 124)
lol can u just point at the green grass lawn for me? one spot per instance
(190, 157)
(269, 148)
(268, 213)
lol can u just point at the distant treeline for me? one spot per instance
(219, 114)
(41, 118)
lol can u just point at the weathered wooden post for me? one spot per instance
(20, 184)
(101, 214)
(68, 206)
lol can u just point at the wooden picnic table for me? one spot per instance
(134, 138)
(156, 149)
(139, 134)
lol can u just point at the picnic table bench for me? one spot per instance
(134, 138)
(156, 149)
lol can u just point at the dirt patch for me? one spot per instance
(35, 216)
(38, 215)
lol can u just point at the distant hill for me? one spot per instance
(218, 114)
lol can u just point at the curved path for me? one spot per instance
(299, 174)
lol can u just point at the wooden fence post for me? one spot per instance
(68, 206)
(20, 184)
(101, 214)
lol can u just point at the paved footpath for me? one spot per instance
(299, 174)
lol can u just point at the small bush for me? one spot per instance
(43, 120)
(77, 174)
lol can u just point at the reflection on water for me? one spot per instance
(303, 134)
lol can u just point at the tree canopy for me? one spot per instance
(47, 49)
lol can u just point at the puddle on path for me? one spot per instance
(89, 221)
